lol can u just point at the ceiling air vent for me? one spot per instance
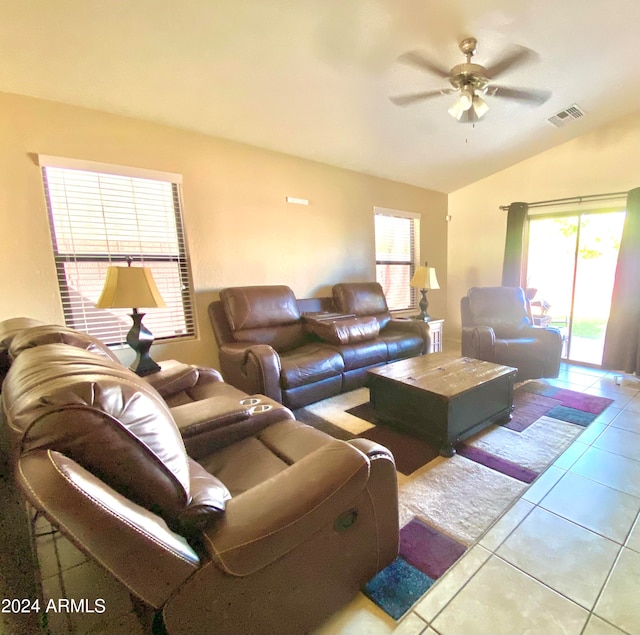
(566, 115)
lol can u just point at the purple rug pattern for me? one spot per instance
(531, 401)
(504, 466)
(536, 399)
(425, 554)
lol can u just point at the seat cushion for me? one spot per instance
(521, 353)
(364, 354)
(308, 364)
(249, 462)
(401, 344)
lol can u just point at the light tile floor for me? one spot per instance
(563, 559)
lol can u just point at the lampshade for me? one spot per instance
(129, 287)
(480, 106)
(468, 100)
(425, 278)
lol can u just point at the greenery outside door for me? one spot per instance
(571, 262)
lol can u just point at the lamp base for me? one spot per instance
(140, 339)
(423, 304)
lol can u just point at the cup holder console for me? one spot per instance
(260, 408)
(250, 401)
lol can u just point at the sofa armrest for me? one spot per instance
(175, 377)
(254, 368)
(552, 341)
(210, 424)
(201, 416)
(478, 342)
(269, 520)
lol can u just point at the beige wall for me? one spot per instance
(239, 228)
(604, 161)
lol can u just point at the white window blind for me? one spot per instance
(100, 218)
(396, 235)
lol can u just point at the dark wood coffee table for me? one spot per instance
(442, 398)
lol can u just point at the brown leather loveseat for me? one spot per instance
(221, 516)
(271, 343)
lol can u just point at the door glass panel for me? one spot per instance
(598, 246)
(550, 270)
(571, 264)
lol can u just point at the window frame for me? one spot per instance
(183, 289)
(413, 262)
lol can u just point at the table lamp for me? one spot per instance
(424, 279)
(127, 287)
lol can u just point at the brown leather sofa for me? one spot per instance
(221, 515)
(497, 326)
(271, 343)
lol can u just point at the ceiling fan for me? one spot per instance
(471, 82)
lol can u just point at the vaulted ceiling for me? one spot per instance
(312, 78)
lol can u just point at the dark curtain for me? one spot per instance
(514, 245)
(621, 344)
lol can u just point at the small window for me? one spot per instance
(103, 215)
(396, 234)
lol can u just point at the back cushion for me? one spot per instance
(264, 315)
(362, 299)
(104, 417)
(54, 333)
(502, 308)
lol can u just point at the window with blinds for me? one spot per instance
(396, 235)
(99, 217)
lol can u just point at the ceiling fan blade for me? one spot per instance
(414, 58)
(405, 100)
(519, 57)
(530, 95)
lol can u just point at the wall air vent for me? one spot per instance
(565, 116)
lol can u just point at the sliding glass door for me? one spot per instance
(571, 264)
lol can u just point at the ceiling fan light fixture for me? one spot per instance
(456, 110)
(480, 106)
(466, 97)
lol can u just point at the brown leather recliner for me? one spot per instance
(268, 344)
(266, 526)
(8, 330)
(497, 327)
(177, 383)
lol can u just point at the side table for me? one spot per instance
(435, 333)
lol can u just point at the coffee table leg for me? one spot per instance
(503, 420)
(447, 450)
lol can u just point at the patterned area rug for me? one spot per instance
(445, 504)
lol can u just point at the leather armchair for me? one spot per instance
(269, 526)
(497, 327)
